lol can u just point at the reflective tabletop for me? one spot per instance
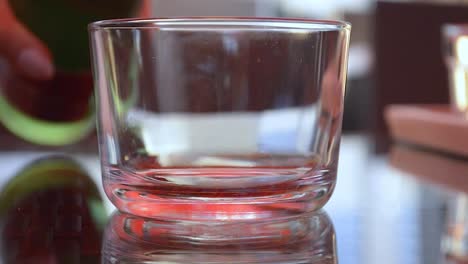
(53, 210)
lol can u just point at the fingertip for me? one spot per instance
(34, 64)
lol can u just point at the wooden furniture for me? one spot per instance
(408, 57)
(431, 143)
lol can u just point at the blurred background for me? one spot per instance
(395, 46)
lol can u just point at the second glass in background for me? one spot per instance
(455, 52)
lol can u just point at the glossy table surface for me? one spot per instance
(53, 210)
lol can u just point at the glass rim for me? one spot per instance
(240, 23)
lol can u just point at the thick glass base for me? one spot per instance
(182, 202)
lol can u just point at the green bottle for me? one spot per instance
(59, 111)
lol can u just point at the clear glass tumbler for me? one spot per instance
(219, 118)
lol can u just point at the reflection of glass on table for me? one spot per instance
(447, 170)
(455, 241)
(307, 238)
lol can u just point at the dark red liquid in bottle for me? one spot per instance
(65, 98)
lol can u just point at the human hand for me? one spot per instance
(23, 52)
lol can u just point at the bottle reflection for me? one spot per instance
(308, 238)
(51, 212)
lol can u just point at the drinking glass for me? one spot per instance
(455, 45)
(219, 118)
